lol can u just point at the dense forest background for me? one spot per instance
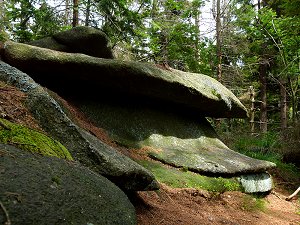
(253, 48)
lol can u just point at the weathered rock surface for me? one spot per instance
(77, 73)
(46, 190)
(172, 137)
(84, 148)
(254, 183)
(86, 40)
(143, 106)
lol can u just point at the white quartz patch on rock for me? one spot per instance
(254, 183)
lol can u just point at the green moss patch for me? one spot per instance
(253, 204)
(31, 140)
(182, 178)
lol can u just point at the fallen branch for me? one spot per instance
(8, 222)
(293, 195)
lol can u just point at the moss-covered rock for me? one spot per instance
(84, 147)
(48, 190)
(31, 140)
(182, 178)
(176, 138)
(86, 40)
(85, 76)
(50, 43)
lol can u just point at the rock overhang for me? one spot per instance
(133, 83)
(198, 92)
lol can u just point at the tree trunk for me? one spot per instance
(294, 97)
(263, 96)
(1, 12)
(252, 109)
(87, 13)
(67, 12)
(154, 9)
(75, 13)
(263, 86)
(197, 41)
(218, 37)
(283, 104)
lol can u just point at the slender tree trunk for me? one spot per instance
(1, 10)
(263, 97)
(67, 12)
(75, 13)
(263, 86)
(87, 13)
(294, 97)
(154, 9)
(218, 34)
(1, 17)
(283, 104)
(164, 45)
(252, 109)
(197, 42)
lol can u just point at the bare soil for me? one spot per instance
(190, 206)
(175, 206)
(12, 108)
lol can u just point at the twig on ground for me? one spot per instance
(274, 193)
(8, 222)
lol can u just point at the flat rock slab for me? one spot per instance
(84, 147)
(173, 138)
(78, 74)
(86, 40)
(46, 190)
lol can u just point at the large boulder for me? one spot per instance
(176, 138)
(47, 190)
(86, 40)
(85, 76)
(83, 146)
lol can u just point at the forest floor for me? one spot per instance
(176, 206)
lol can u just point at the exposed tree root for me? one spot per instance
(8, 222)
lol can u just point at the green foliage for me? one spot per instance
(264, 147)
(171, 37)
(31, 140)
(27, 20)
(182, 178)
(265, 142)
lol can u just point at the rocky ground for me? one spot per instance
(179, 206)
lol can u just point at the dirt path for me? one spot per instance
(192, 207)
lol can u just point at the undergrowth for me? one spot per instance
(269, 146)
(182, 178)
